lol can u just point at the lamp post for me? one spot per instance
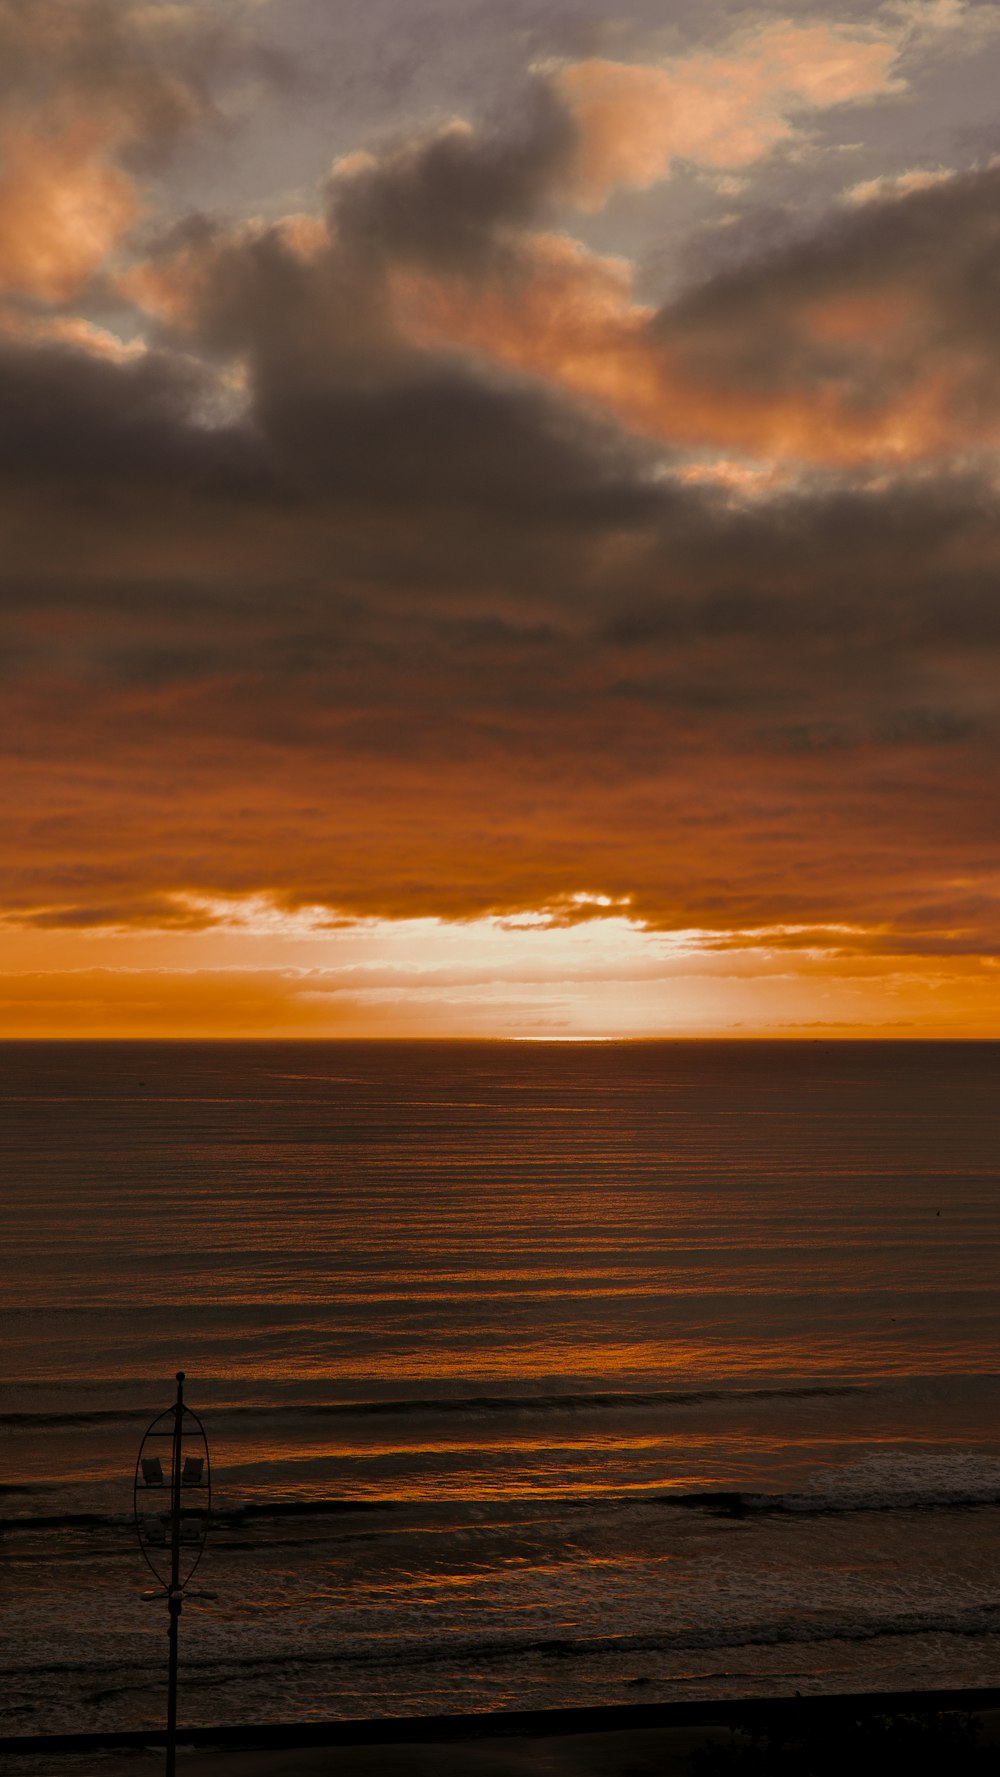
(173, 1542)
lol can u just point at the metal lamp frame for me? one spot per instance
(178, 1423)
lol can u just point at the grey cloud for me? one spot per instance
(70, 419)
(456, 200)
(158, 68)
(750, 332)
(445, 199)
(443, 435)
(311, 321)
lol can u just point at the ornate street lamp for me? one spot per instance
(173, 1461)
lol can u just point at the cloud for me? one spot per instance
(63, 206)
(869, 341)
(559, 311)
(431, 650)
(721, 109)
(938, 26)
(858, 345)
(116, 1002)
(91, 96)
(445, 198)
(411, 566)
(887, 186)
(867, 344)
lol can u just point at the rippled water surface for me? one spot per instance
(533, 1373)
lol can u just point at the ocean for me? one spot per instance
(534, 1374)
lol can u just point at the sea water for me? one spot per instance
(534, 1374)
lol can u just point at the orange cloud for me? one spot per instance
(64, 205)
(569, 319)
(893, 185)
(563, 313)
(845, 352)
(89, 92)
(723, 109)
(21, 324)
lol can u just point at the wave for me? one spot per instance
(65, 1521)
(969, 1620)
(100, 1416)
(890, 1481)
(981, 1619)
(469, 1404)
(714, 1502)
(815, 1505)
(228, 1518)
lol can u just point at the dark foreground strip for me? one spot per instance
(394, 1730)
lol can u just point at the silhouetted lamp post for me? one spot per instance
(173, 1460)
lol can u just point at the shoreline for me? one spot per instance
(608, 1739)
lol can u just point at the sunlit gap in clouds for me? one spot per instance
(583, 967)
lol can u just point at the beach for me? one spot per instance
(960, 1729)
(667, 1752)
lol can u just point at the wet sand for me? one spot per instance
(641, 1741)
(640, 1752)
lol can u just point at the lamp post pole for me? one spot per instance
(189, 1467)
(175, 1595)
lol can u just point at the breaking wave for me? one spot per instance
(470, 1405)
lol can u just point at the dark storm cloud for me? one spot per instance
(70, 416)
(445, 200)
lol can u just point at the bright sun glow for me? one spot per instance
(583, 968)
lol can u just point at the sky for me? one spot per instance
(499, 514)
